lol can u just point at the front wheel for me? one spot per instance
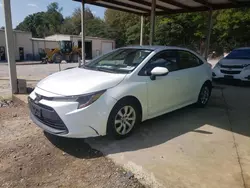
(204, 95)
(122, 119)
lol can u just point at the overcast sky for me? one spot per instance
(22, 8)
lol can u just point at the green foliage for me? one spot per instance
(126, 27)
(72, 24)
(36, 24)
(181, 30)
(43, 23)
(54, 18)
(230, 27)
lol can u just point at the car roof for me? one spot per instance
(243, 48)
(156, 47)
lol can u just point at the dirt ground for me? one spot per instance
(31, 158)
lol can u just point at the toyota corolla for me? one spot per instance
(113, 93)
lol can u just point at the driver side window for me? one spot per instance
(167, 59)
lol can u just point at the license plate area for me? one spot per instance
(229, 77)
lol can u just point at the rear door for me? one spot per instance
(191, 70)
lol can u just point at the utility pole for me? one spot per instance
(210, 26)
(152, 23)
(142, 27)
(83, 32)
(10, 46)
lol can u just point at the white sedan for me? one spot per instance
(115, 92)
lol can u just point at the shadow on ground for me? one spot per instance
(236, 83)
(165, 128)
(75, 147)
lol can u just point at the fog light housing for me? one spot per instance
(248, 77)
(213, 74)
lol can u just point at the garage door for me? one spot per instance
(106, 47)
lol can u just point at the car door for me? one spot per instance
(190, 72)
(163, 92)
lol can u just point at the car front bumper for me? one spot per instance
(243, 75)
(90, 121)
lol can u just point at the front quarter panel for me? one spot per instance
(128, 87)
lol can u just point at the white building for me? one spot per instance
(22, 44)
(27, 48)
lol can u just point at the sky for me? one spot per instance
(21, 9)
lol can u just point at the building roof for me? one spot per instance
(77, 36)
(17, 31)
(143, 7)
(42, 39)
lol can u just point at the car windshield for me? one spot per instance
(239, 54)
(119, 61)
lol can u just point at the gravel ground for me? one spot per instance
(31, 158)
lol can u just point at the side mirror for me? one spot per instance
(158, 71)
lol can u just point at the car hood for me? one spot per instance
(79, 81)
(239, 62)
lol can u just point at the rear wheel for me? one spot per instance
(123, 119)
(204, 95)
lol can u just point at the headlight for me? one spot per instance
(83, 100)
(247, 67)
(218, 64)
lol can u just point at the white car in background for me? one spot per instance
(236, 66)
(115, 92)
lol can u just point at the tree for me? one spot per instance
(186, 29)
(54, 17)
(42, 24)
(181, 30)
(36, 24)
(125, 26)
(231, 28)
(72, 25)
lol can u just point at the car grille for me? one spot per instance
(46, 115)
(233, 66)
(230, 71)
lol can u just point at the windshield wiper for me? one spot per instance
(113, 65)
(104, 69)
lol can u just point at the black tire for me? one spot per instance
(57, 58)
(202, 100)
(111, 127)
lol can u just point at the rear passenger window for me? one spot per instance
(188, 60)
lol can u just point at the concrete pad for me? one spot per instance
(187, 148)
(239, 107)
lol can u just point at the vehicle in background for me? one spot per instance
(66, 51)
(116, 91)
(235, 66)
